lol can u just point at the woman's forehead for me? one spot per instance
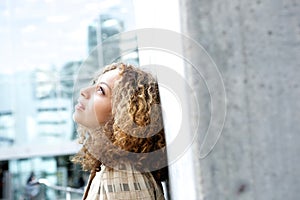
(108, 77)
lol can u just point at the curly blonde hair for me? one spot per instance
(135, 133)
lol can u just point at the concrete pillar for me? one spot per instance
(256, 46)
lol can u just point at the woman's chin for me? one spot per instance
(75, 118)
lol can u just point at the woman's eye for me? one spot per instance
(101, 90)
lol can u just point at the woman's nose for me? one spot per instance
(85, 92)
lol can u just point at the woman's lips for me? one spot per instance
(79, 106)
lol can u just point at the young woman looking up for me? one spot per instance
(120, 125)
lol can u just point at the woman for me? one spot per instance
(120, 126)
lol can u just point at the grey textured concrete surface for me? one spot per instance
(256, 46)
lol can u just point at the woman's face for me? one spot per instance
(94, 104)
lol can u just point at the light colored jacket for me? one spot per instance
(111, 184)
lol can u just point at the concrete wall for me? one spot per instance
(256, 46)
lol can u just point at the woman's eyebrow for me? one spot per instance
(106, 85)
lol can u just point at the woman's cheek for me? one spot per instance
(103, 111)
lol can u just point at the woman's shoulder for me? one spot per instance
(126, 182)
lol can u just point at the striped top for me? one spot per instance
(110, 184)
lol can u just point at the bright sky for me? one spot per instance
(49, 33)
(45, 33)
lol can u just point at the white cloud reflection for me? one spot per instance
(58, 19)
(34, 33)
(29, 29)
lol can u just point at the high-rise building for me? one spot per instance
(36, 127)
